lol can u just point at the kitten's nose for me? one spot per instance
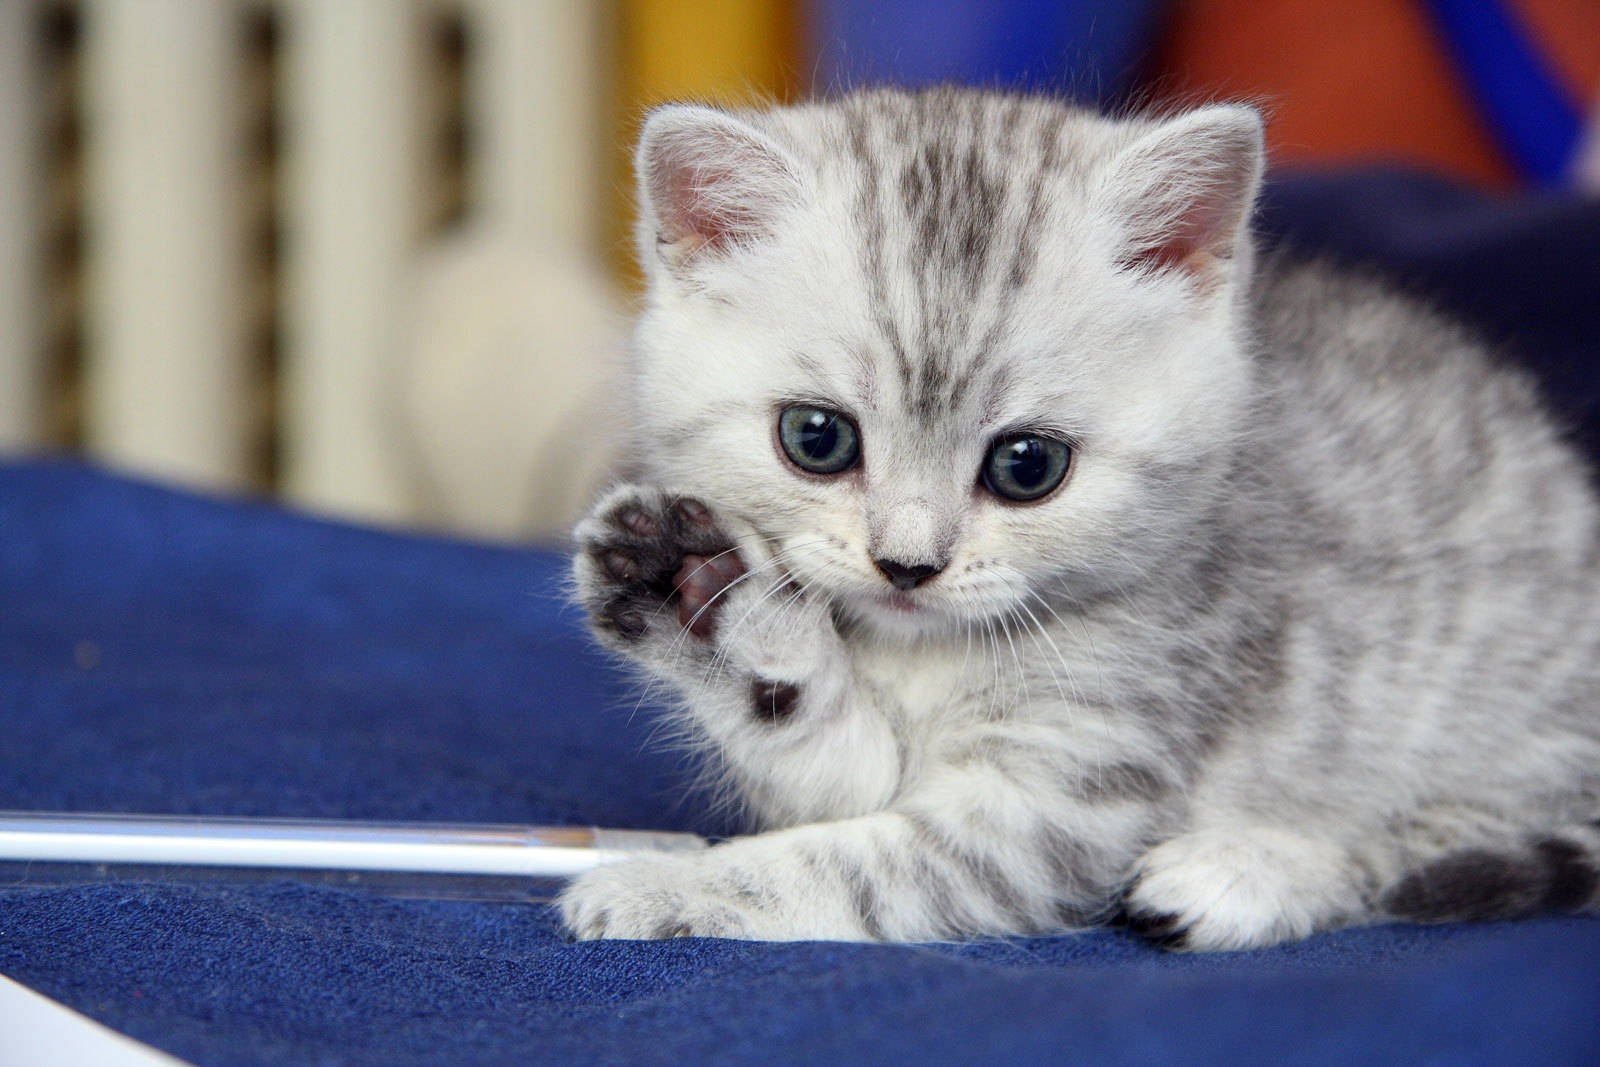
(904, 577)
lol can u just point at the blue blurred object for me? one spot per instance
(1527, 110)
(1089, 49)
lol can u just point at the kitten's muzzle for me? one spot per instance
(903, 576)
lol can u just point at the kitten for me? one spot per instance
(1029, 556)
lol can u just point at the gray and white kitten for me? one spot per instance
(1029, 556)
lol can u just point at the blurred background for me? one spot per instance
(372, 257)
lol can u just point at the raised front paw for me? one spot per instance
(652, 562)
(652, 897)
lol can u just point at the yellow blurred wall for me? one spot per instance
(712, 51)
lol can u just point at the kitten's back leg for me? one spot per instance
(1237, 885)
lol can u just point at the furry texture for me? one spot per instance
(1308, 636)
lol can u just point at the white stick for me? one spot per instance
(323, 845)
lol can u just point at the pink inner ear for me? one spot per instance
(1184, 192)
(1193, 238)
(713, 185)
(700, 208)
(1179, 251)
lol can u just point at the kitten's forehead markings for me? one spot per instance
(996, 394)
(866, 380)
(870, 219)
(959, 211)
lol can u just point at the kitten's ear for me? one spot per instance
(1185, 189)
(708, 182)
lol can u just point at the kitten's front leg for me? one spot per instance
(762, 674)
(973, 857)
(985, 848)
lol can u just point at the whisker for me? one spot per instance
(997, 708)
(1037, 632)
(1070, 707)
(1060, 656)
(775, 560)
(1022, 673)
(719, 655)
(1099, 703)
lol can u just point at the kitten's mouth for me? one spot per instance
(899, 601)
(902, 614)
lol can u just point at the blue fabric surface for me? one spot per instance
(241, 661)
(164, 653)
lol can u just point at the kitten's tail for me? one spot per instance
(1538, 875)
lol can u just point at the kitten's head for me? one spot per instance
(946, 351)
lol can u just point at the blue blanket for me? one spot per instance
(161, 652)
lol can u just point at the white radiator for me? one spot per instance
(145, 349)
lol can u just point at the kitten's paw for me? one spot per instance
(1239, 888)
(649, 561)
(652, 897)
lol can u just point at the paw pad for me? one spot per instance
(647, 551)
(699, 581)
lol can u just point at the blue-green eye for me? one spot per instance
(818, 440)
(1025, 466)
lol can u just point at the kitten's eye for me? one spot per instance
(818, 440)
(1025, 466)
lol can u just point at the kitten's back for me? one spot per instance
(1433, 543)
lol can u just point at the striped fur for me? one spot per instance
(1309, 636)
